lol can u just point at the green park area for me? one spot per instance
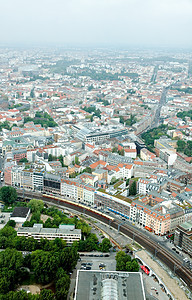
(46, 262)
(44, 119)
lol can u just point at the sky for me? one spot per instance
(149, 23)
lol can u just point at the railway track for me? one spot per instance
(160, 252)
(156, 249)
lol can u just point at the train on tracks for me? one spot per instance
(152, 246)
(80, 205)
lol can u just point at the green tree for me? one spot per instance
(24, 159)
(181, 146)
(18, 295)
(5, 125)
(62, 284)
(105, 245)
(114, 150)
(87, 170)
(77, 160)
(121, 152)
(133, 188)
(61, 160)
(11, 223)
(134, 266)
(8, 195)
(113, 180)
(35, 205)
(44, 265)
(50, 157)
(46, 295)
(32, 94)
(120, 261)
(125, 263)
(10, 263)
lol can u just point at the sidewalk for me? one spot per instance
(170, 283)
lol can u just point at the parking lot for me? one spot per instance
(153, 288)
(93, 263)
(4, 218)
(108, 263)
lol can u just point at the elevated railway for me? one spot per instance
(149, 244)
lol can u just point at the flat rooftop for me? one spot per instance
(96, 285)
(186, 226)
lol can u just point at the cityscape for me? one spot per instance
(107, 131)
(96, 150)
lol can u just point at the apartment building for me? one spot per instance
(27, 179)
(78, 190)
(175, 186)
(7, 173)
(19, 154)
(147, 155)
(38, 176)
(153, 221)
(183, 237)
(161, 219)
(129, 149)
(16, 176)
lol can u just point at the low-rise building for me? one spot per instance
(116, 203)
(109, 285)
(64, 232)
(20, 214)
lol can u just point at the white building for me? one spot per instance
(16, 175)
(168, 155)
(64, 232)
(38, 180)
(20, 214)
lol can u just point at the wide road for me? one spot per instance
(149, 243)
(162, 101)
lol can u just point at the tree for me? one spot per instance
(61, 160)
(44, 265)
(114, 150)
(24, 159)
(35, 205)
(50, 157)
(133, 188)
(87, 170)
(105, 245)
(125, 263)
(181, 146)
(77, 160)
(121, 152)
(46, 295)
(113, 180)
(8, 195)
(11, 223)
(134, 266)
(10, 263)
(120, 261)
(62, 284)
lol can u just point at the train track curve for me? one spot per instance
(156, 249)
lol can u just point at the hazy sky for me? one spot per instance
(97, 22)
